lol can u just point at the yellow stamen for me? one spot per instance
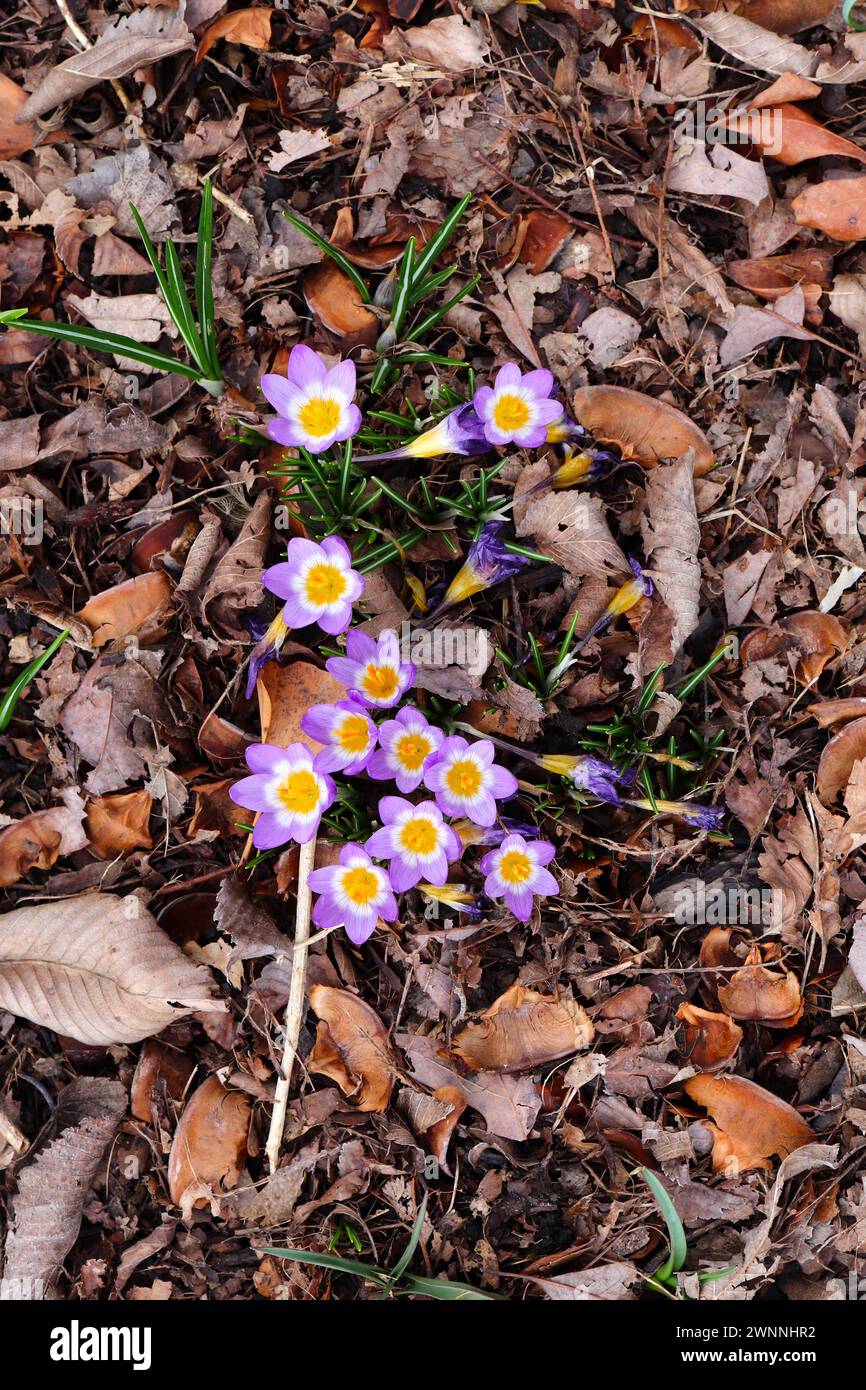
(353, 735)
(360, 885)
(319, 417)
(515, 867)
(380, 682)
(510, 413)
(419, 836)
(412, 749)
(299, 793)
(463, 778)
(324, 584)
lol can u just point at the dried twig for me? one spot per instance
(295, 1006)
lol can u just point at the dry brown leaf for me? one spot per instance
(160, 1070)
(508, 1103)
(752, 1125)
(838, 758)
(236, 583)
(757, 48)
(819, 637)
(522, 1030)
(785, 89)
(786, 16)
(570, 527)
(97, 969)
(16, 137)
(680, 253)
(848, 303)
(137, 606)
(715, 171)
(286, 693)
(829, 712)
(252, 929)
(37, 841)
(773, 276)
(750, 328)
(119, 824)
(352, 1048)
(644, 428)
(672, 539)
(543, 236)
(448, 44)
(711, 1039)
(790, 135)
(250, 27)
(110, 719)
(47, 1209)
(836, 207)
(133, 41)
(209, 1146)
(336, 303)
(758, 995)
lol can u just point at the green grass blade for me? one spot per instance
(181, 310)
(676, 1233)
(336, 256)
(431, 283)
(338, 1263)
(151, 253)
(99, 341)
(204, 279)
(445, 1290)
(13, 694)
(433, 318)
(401, 295)
(439, 240)
(403, 1263)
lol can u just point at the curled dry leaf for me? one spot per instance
(522, 1030)
(818, 637)
(758, 995)
(250, 27)
(711, 1039)
(158, 1066)
(97, 969)
(336, 303)
(543, 236)
(644, 428)
(352, 1047)
(509, 1104)
(119, 824)
(37, 841)
(829, 712)
(771, 277)
(209, 1146)
(286, 693)
(570, 527)
(785, 16)
(836, 207)
(790, 135)
(136, 607)
(16, 137)
(837, 760)
(47, 1210)
(752, 1125)
(236, 583)
(434, 1118)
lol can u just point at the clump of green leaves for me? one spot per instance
(195, 323)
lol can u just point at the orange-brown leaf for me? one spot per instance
(836, 207)
(135, 607)
(210, 1144)
(352, 1047)
(251, 27)
(286, 693)
(710, 1039)
(752, 1125)
(158, 1066)
(119, 824)
(15, 138)
(336, 303)
(644, 428)
(758, 995)
(838, 758)
(544, 235)
(523, 1029)
(791, 135)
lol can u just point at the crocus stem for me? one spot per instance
(499, 743)
(295, 1006)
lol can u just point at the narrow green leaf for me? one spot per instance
(181, 310)
(401, 295)
(446, 1291)
(99, 341)
(204, 278)
(403, 1262)
(13, 694)
(336, 255)
(151, 253)
(437, 314)
(676, 1233)
(439, 240)
(336, 1262)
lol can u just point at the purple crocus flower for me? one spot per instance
(372, 671)
(405, 745)
(467, 782)
(487, 563)
(588, 774)
(269, 640)
(517, 408)
(516, 872)
(416, 840)
(460, 432)
(346, 730)
(625, 598)
(317, 582)
(354, 894)
(313, 403)
(287, 791)
(456, 896)
(705, 817)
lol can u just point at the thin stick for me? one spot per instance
(295, 1006)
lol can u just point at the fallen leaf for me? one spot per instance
(116, 825)
(543, 236)
(836, 207)
(848, 303)
(209, 1146)
(235, 586)
(97, 969)
(791, 136)
(838, 758)
(336, 303)
(786, 16)
(758, 995)
(250, 27)
(133, 176)
(37, 841)
(608, 1283)
(52, 1191)
(296, 145)
(508, 1103)
(716, 171)
(352, 1048)
(160, 1070)
(672, 539)
(711, 1039)
(757, 48)
(133, 41)
(522, 1030)
(137, 606)
(111, 719)
(569, 526)
(752, 1125)
(751, 328)
(252, 929)
(286, 693)
(830, 712)
(449, 44)
(644, 428)
(16, 136)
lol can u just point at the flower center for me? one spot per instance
(510, 413)
(419, 836)
(299, 793)
(380, 682)
(412, 749)
(319, 417)
(325, 584)
(360, 885)
(463, 778)
(353, 734)
(515, 867)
